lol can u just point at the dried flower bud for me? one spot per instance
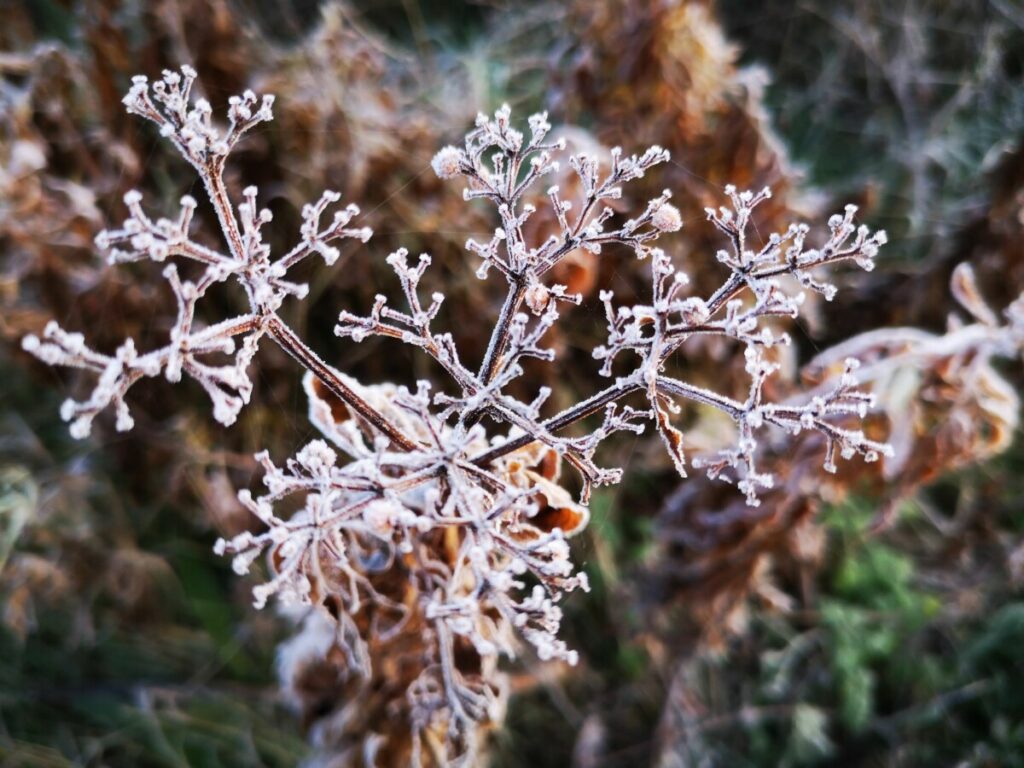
(537, 297)
(447, 163)
(666, 218)
(380, 516)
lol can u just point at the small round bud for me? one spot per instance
(537, 297)
(380, 516)
(666, 218)
(447, 162)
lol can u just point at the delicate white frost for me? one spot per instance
(416, 463)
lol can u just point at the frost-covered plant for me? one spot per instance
(445, 520)
(945, 404)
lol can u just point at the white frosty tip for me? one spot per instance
(667, 218)
(447, 162)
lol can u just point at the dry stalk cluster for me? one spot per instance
(428, 528)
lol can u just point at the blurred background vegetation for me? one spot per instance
(881, 626)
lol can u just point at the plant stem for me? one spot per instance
(563, 419)
(295, 347)
(499, 336)
(213, 179)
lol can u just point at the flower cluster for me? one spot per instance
(247, 262)
(436, 516)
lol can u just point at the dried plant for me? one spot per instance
(943, 404)
(440, 540)
(946, 402)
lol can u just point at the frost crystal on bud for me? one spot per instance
(447, 162)
(666, 218)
